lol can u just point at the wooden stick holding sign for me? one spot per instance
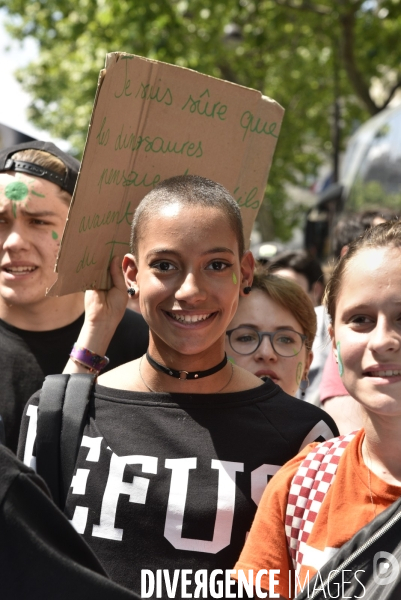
(152, 121)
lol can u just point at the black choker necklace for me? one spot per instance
(183, 375)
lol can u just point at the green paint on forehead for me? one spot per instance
(54, 235)
(16, 191)
(234, 279)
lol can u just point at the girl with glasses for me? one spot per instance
(272, 332)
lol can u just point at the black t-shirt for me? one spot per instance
(172, 481)
(27, 357)
(41, 556)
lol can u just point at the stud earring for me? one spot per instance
(303, 386)
(131, 291)
(247, 289)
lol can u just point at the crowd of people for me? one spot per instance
(201, 410)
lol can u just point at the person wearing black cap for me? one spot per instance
(37, 332)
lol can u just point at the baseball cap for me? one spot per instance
(66, 182)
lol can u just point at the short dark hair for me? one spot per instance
(351, 226)
(300, 262)
(188, 189)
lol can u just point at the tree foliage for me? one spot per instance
(312, 57)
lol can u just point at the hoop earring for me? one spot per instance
(247, 289)
(131, 291)
(303, 386)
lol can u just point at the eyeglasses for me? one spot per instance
(285, 342)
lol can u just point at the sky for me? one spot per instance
(13, 100)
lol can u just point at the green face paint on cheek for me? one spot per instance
(339, 360)
(235, 279)
(298, 375)
(54, 235)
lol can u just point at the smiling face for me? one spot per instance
(32, 219)
(188, 273)
(367, 329)
(262, 313)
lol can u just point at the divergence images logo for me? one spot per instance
(385, 568)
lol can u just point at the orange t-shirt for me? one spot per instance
(346, 508)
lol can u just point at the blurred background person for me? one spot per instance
(302, 268)
(350, 226)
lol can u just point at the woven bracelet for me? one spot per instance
(93, 362)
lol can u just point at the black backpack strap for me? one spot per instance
(381, 538)
(75, 408)
(63, 405)
(48, 432)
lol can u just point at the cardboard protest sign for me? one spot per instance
(152, 121)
